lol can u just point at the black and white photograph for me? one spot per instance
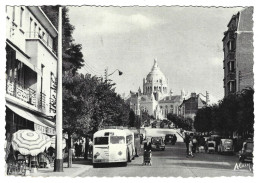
(128, 91)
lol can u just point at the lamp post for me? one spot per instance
(59, 159)
(106, 73)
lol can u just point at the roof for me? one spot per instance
(118, 131)
(156, 74)
(167, 99)
(43, 19)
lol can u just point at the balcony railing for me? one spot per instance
(42, 101)
(231, 55)
(18, 90)
(36, 35)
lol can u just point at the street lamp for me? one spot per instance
(106, 73)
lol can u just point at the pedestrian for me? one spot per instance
(174, 139)
(194, 144)
(80, 149)
(190, 148)
(76, 145)
(187, 141)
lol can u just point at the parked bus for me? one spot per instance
(112, 146)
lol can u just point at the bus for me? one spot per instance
(113, 146)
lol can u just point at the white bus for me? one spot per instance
(113, 145)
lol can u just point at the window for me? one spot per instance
(101, 141)
(117, 140)
(13, 13)
(30, 28)
(39, 33)
(34, 30)
(231, 86)
(231, 45)
(21, 17)
(231, 66)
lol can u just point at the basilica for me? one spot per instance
(156, 99)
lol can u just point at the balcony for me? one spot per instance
(46, 41)
(41, 103)
(18, 90)
(231, 35)
(231, 55)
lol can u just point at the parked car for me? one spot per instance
(246, 154)
(170, 139)
(226, 146)
(158, 143)
(154, 125)
(171, 125)
(211, 145)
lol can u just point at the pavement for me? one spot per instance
(79, 166)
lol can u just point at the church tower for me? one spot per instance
(155, 83)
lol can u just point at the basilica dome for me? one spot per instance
(156, 75)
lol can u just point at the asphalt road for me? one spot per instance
(173, 163)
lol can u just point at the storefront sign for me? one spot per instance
(44, 130)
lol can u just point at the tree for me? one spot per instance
(72, 57)
(131, 118)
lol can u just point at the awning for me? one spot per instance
(31, 117)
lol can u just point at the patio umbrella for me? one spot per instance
(53, 142)
(29, 142)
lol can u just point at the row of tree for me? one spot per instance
(180, 122)
(235, 113)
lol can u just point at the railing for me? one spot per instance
(231, 55)
(18, 90)
(231, 35)
(36, 35)
(42, 100)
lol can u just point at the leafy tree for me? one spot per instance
(72, 56)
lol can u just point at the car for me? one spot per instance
(157, 143)
(246, 154)
(226, 146)
(154, 125)
(170, 139)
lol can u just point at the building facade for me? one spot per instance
(238, 52)
(156, 99)
(31, 71)
(191, 105)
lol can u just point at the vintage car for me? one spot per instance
(170, 139)
(246, 154)
(157, 143)
(211, 145)
(226, 146)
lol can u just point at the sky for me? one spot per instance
(185, 41)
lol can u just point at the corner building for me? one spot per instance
(31, 71)
(238, 52)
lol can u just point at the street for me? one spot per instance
(173, 163)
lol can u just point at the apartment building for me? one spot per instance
(31, 70)
(238, 52)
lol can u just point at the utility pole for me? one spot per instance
(106, 70)
(59, 158)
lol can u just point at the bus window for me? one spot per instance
(129, 139)
(117, 140)
(101, 141)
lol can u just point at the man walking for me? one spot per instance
(187, 141)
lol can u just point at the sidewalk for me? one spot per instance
(78, 166)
